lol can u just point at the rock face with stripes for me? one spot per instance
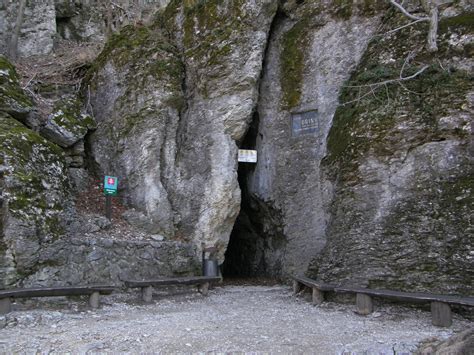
(172, 100)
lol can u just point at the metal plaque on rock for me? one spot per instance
(304, 123)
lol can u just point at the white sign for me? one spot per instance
(247, 156)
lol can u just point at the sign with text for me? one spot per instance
(110, 185)
(247, 156)
(304, 123)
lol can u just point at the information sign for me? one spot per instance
(247, 156)
(110, 185)
(304, 122)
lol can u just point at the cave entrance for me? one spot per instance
(251, 250)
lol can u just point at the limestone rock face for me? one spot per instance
(88, 261)
(401, 160)
(170, 111)
(37, 30)
(46, 21)
(33, 198)
(311, 53)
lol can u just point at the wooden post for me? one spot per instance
(147, 293)
(318, 296)
(5, 305)
(204, 288)
(108, 207)
(441, 315)
(364, 304)
(94, 300)
(296, 287)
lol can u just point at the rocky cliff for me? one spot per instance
(364, 171)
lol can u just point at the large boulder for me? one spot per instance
(400, 155)
(67, 124)
(170, 111)
(33, 196)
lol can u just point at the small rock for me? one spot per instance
(157, 237)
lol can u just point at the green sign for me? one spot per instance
(110, 185)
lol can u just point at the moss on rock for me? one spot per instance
(67, 124)
(144, 49)
(398, 157)
(365, 121)
(12, 98)
(35, 178)
(292, 58)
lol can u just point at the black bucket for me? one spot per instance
(210, 267)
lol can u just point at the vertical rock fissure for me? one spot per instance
(257, 227)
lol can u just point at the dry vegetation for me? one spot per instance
(50, 77)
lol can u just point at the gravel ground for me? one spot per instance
(231, 319)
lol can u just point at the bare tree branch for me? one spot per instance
(433, 31)
(391, 80)
(402, 27)
(371, 88)
(406, 13)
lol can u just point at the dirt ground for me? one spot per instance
(233, 318)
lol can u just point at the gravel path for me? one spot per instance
(233, 318)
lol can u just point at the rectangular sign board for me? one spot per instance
(247, 156)
(304, 123)
(110, 185)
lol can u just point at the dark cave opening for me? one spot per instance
(254, 238)
(242, 246)
(256, 245)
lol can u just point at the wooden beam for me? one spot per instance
(5, 305)
(94, 300)
(441, 315)
(195, 280)
(296, 287)
(204, 288)
(364, 304)
(147, 294)
(318, 296)
(56, 291)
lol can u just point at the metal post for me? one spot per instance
(108, 207)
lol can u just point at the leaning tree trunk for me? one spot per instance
(13, 46)
(431, 8)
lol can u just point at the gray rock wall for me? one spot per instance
(107, 261)
(173, 140)
(45, 22)
(318, 53)
(402, 163)
(38, 28)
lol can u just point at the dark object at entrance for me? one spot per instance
(210, 268)
(209, 262)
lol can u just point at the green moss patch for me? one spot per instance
(366, 121)
(212, 29)
(12, 98)
(292, 58)
(143, 49)
(67, 114)
(35, 181)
